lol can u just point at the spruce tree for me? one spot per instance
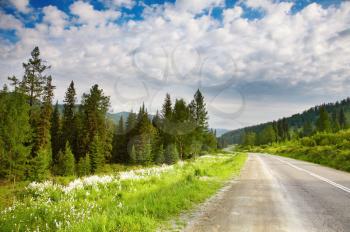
(133, 155)
(342, 119)
(307, 129)
(42, 132)
(97, 158)
(39, 165)
(84, 167)
(55, 134)
(68, 126)
(94, 106)
(15, 135)
(119, 143)
(66, 162)
(323, 122)
(159, 155)
(34, 79)
(171, 154)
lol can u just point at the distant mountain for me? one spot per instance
(295, 121)
(220, 131)
(115, 117)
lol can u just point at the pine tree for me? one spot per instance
(55, 134)
(66, 162)
(199, 112)
(119, 143)
(34, 79)
(323, 122)
(159, 156)
(182, 126)
(97, 158)
(84, 166)
(94, 106)
(166, 126)
(39, 165)
(133, 155)
(15, 135)
(171, 154)
(68, 126)
(307, 129)
(42, 131)
(342, 119)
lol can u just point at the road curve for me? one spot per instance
(280, 194)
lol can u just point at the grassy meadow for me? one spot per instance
(328, 149)
(142, 199)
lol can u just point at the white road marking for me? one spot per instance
(315, 175)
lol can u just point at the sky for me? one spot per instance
(254, 60)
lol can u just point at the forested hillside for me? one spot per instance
(298, 125)
(38, 140)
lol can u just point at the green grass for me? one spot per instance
(123, 205)
(328, 149)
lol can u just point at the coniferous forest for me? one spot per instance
(38, 140)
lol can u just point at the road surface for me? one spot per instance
(280, 194)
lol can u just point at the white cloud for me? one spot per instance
(21, 5)
(9, 22)
(119, 3)
(88, 15)
(173, 47)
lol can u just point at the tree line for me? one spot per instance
(279, 131)
(37, 140)
(338, 113)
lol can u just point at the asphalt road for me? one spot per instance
(279, 194)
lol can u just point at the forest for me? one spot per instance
(38, 140)
(330, 117)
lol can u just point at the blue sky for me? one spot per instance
(255, 60)
(135, 12)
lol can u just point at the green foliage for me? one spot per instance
(331, 149)
(249, 139)
(69, 128)
(55, 134)
(159, 157)
(133, 155)
(96, 152)
(323, 123)
(15, 134)
(66, 162)
(94, 107)
(84, 166)
(171, 154)
(127, 205)
(39, 165)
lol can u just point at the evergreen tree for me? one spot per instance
(183, 126)
(84, 166)
(55, 134)
(307, 129)
(15, 135)
(342, 119)
(159, 155)
(94, 106)
(133, 155)
(119, 151)
(199, 112)
(34, 79)
(42, 138)
(66, 162)
(68, 126)
(171, 154)
(323, 122)
(249, 139)
(39, 165)
(97, 158)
